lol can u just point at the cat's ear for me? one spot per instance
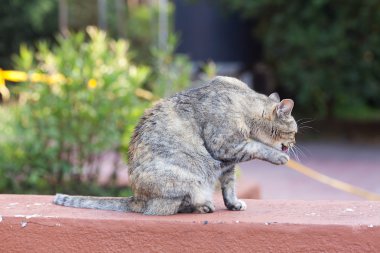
(285, 107)
(275, 97)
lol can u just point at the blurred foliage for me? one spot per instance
(141, 29)
(53, 136)
(324, 52)
(171, 72)
(82, 13)
(25, 22)
(210, 69)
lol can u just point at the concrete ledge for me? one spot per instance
(32, 224)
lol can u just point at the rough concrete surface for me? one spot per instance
(32, 224)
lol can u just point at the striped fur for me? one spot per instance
(186, 143)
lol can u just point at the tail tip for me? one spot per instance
(60, 199)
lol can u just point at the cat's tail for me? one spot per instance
(129, 204)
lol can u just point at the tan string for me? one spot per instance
(332, 182)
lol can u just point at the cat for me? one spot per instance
(186, 143)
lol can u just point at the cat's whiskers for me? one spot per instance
(305, 150)
(301, 123)
(300, 151)
(293, 151)
(305, 126)
(300, 120)
(307, 120)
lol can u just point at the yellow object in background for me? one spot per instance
(20, 76)
(92, 83)
(14, 76)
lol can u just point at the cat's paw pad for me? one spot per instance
(205, 208)
(239, 205)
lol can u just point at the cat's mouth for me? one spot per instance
(284, 148)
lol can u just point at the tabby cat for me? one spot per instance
(185, 143)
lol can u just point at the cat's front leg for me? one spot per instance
(267, 153)
(233, 149)
(227, 181)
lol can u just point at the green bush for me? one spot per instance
(60, 128)
(324, 52)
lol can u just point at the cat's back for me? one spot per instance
(177, 122)
(167, 127)
(183, 106)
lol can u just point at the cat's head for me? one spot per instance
(280, 126)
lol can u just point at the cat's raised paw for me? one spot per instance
(239, 205)
(280, 159)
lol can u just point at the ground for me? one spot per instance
(354, 163)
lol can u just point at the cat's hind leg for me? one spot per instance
(162, 206)
(202, 200)
(205, 207)
(186, 205)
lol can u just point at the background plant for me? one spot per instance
(170, 71)
(323, 52)
(58, 131)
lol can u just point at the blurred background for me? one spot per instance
(76, 76)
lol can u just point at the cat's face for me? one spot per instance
(281, 127)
